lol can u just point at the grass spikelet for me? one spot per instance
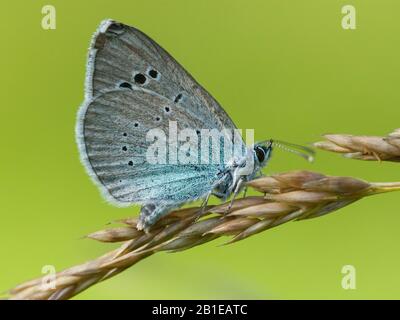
(370, 148)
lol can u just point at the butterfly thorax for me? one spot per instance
(232, 178)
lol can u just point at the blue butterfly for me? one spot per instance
(134, 86)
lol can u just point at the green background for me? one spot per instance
(285, 68)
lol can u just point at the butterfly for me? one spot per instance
(134, 86)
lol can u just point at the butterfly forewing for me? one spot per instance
(133, 86)
(121, 53)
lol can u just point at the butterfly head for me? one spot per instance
(262, 152)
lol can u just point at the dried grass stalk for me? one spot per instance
(364, 147)
(284, 197)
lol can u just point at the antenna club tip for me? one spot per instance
(305, 152)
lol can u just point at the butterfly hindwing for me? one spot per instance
(113, 136)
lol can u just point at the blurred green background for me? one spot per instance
(285, 68)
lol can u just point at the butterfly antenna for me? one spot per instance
(304, 152)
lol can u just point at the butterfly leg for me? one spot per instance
(205, 202)
(245, 192)
(258, 175)
(203, 206)
(235, 193)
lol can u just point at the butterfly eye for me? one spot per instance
(260, 153)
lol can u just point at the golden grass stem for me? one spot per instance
(283, 197)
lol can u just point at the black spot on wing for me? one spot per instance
(125, 85)
(178, 98)
(140, 78)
